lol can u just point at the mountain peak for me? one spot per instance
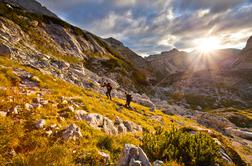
(249, 43)
(31, 6)
(114, 41)
(174, 50)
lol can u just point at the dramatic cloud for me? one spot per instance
(148, 26)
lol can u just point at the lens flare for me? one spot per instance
(207, 45)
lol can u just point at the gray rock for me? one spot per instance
(121, 128)
(72, 132)
(144, 100)
(133, 155)
(143, 157)
(108, 126)
(41, 123)
(5, 50)
(132, 127)
(94, 120)
(80, 114)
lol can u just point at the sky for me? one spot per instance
(152, 26)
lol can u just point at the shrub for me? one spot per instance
(105, 143)
(181, 146)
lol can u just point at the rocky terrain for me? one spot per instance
(31, 6)
(53, 111)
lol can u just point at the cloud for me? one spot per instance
(148, 26)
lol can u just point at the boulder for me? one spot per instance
(108, 126)
(121, 128)
(72, 132)
(41, 123)
(132, 127)
(5, 50)
(144, 101)
(133, 155)
(94, 120)
(80, 114)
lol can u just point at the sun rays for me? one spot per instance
(207, 45)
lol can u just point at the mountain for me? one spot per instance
(245, 60)
(138, 61)
(31, 6)
(168, 62)
(53, 108)
(43, 36)
(175, 61)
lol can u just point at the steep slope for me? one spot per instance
(138, 62)
(31, 6)
(128, 54)
(49, 44)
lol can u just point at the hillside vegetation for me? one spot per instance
(22, 143)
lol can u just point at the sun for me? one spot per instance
(207, 45)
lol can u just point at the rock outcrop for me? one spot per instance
(72, 132)
(133, 156)
(108, 126)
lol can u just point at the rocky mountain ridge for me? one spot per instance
(31, 6)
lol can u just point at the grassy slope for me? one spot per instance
(17, 131)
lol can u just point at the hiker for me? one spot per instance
(128, 99)
(109, 89)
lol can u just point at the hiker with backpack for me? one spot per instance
(128, 100)
(109, 89)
